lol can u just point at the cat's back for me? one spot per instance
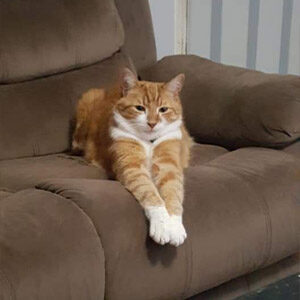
(97, 104)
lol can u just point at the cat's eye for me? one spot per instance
(163, 109)
(140, 108)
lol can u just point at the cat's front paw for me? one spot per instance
(159, 224)
(176, 230)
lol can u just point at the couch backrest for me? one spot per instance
(51, 51)
(39, 38)
(139, 36)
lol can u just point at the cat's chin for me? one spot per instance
(150, 135)
(161, 131)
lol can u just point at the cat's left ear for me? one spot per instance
(176, 84)
(129, 80)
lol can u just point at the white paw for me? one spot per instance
(176, 230)
(165, 228)
(159, 224)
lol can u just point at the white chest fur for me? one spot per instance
(124, 129)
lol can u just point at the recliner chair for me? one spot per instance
(66, 232)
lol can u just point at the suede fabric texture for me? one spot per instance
(4, 194)
(234, 107)
(23, 173)
(49, 249)
(293, 149)
(51, 36)
(253, 281)
(139, 39)
(35, 116)
(235, 217)
(78, 236)
(202, 153)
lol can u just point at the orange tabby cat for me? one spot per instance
(136, 132)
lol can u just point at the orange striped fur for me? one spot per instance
(136, 132)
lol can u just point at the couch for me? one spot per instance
(67, 232)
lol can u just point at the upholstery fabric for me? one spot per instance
(78, 236)
(139, 35)
(35, 116)
(253, 281)
(240, 215)
(202, 153)
(45, 37)
(49, 249)
(293, 149)
(234, 107)
(4, 194)
(23, 173)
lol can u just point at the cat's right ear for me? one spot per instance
(129, 81)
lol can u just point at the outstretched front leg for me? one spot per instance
(130, 165)
(167, 173)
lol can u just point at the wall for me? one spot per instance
(258, 34)
(163, 16)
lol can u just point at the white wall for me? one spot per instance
(163, 16)
(258, 34)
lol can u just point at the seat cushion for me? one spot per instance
(241, 214)
(22, 173)
(203, 153)
(253, 281)
(4, 194)
(41, 38)
(293, 149)
(49, 249)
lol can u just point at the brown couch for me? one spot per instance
(68, 233)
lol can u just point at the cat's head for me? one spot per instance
(149, 110)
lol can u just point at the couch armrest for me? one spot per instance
(49, 249)
(234, 107)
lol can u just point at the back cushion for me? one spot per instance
(44, 37)
(139, 35)
(35, 116)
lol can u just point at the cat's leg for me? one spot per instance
(79, 137)
(167, 175)
(90, 153)
(85, 107)
(130, 166)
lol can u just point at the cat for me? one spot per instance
(135, 131)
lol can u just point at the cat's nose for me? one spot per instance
(151, 125)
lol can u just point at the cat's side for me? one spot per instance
(136, 132)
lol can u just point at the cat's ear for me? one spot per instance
(175, 85)
(129, 80)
